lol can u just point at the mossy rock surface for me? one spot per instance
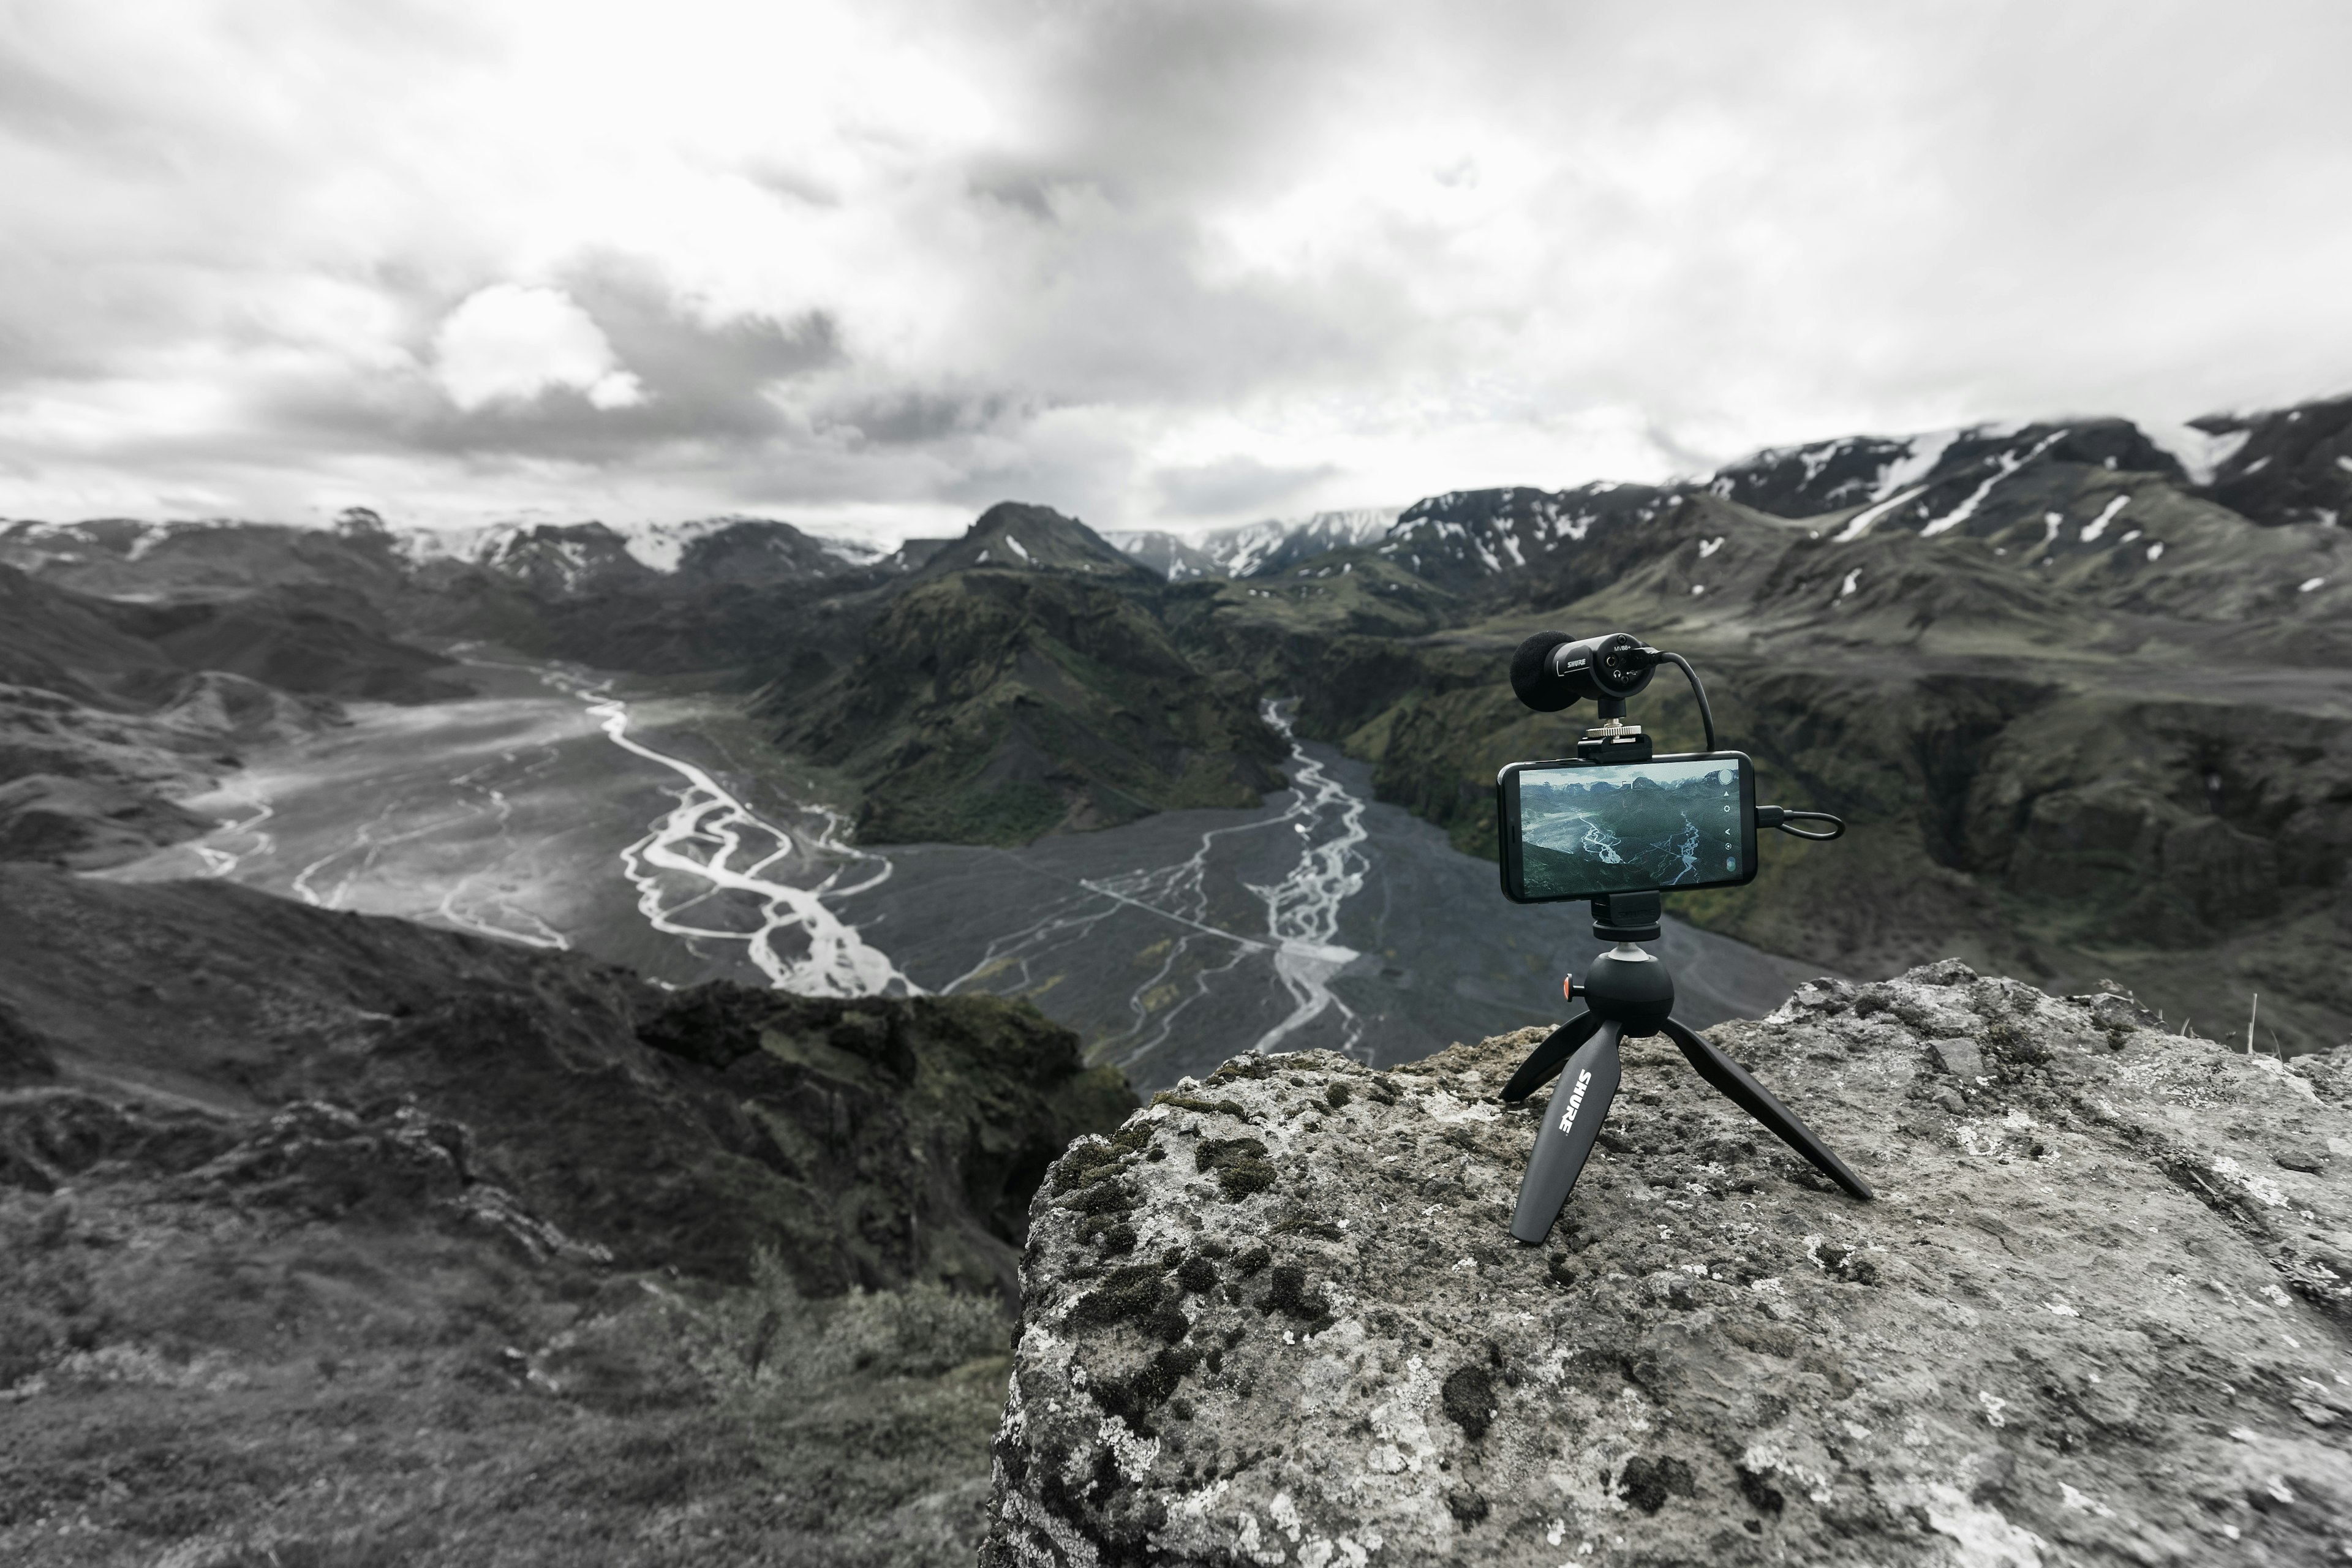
(2077, 1325)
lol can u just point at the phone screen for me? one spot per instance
(1572, 831)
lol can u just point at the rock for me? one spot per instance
(2100, 1312)
(1959, 1058)
(867, 1142)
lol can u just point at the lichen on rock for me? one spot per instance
(2099, 1312)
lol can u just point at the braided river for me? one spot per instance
(650, 824)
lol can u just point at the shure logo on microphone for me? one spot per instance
(1575, 1099)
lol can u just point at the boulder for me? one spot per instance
(2098, 1311)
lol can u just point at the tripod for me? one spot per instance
(1628, 992)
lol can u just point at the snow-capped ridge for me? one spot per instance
(1253, 549)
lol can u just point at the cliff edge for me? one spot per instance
(2098, 1313)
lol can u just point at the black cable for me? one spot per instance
(1706, 714)
(1770, 816)
(1779, 816)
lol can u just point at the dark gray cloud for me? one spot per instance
(704, 385)
(1161, 103)
(1234, 485)
(38, 105)
(912, 417)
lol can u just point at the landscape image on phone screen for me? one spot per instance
(1629, 826)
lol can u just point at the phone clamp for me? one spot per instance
(1627, 918)
(1627, 993)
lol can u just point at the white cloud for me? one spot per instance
(510, 342)
(892, 257)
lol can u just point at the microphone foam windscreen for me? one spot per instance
(1531, 676)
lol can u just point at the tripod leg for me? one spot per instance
(1580, 1102)
(1545, 1059)
(1734, 1082)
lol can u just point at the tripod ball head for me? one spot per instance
(1632, 988)
(1552, 671)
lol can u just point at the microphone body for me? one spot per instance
(1552, 671)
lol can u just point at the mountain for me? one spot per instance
(331, 1236)
(317, 639)
(122, 559)
(112, 712)
(558, 562)
(1011, 537)
(1256, 549)
(758, 549)
(2081, 711)
(89, 786)
(1226, 552)
(69, 642)
(322, 642)
(1937, 471)
(93, 786)
(1019, 683)
(2081, 717)
(2292, 465)
(1473, 539)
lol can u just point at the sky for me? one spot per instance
(873, 267)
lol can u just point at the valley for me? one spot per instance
(646, 822)
(2085, 697)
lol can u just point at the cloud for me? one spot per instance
(1157, 262)
(613, 368)
(511, 343)
(1232, 485)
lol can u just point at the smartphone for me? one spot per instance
(1572, 829)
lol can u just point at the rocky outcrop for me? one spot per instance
(370, 1068)
(2099, 1312)
(327, 1238)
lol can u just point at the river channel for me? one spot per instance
(649, 826)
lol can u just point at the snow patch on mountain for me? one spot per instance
(2005, 465)
(2098, 525)
(1920, 455)
(658, 547)
(2200, 453)
(1860, 524)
